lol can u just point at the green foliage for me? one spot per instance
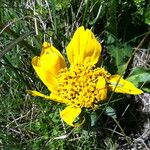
(60, 5)
(140, 77)
(121, 54)
(143, 11)
(111, 112)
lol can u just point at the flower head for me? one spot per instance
(82, 85)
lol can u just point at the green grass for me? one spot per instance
(28, 122)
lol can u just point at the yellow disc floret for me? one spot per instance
(78, 85)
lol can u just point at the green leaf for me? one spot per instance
(19, 39)
(14, 43)
(146, 90)
(139, 75)
(93, 118)
(110, 112)
(121, 54)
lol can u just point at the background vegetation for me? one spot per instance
(28, 122)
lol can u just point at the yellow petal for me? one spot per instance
(51, 59)
(48, 65)
(69, 114)
(118, 84)
(36, 93)
(52, 96)
(83, 48)
(102, 88)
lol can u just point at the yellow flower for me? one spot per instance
(82, 85)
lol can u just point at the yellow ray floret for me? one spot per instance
(83, 48)
(118, 84)
(48, 64)
(69, 114)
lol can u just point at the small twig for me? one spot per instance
(16, 119)
(35, 19)
(64, 136)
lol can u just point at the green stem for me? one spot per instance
(120, 130)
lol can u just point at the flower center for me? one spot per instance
(78, 85)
